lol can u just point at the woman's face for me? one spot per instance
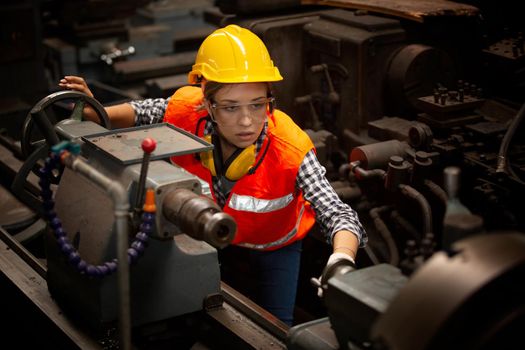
(240, 112)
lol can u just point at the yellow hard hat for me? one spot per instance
(233, 55)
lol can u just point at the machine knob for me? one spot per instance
(148, 145)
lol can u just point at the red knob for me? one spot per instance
(148, 145)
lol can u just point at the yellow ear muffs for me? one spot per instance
(207, 157)
(239, 163)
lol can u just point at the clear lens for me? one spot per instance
(230, 114)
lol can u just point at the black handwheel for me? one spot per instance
(41, 117)
(34, 151)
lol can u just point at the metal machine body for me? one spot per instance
(176, 273)
(403, 91)
(467, 298)
(408, 85)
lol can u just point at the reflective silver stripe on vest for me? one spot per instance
(256, 205)
(280, 240)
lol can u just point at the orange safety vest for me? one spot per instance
(269, 210)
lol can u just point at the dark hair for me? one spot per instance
(212, 87)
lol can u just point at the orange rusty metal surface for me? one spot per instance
(415, 10)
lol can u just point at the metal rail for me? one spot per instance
(252, 326)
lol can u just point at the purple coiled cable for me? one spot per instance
(107, 268)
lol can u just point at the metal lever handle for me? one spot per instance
(148, 146)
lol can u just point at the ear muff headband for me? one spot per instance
(237, 165)
(207, 157)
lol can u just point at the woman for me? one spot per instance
(263, 169)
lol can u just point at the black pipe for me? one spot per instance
(411, 192)
(503, 164)
(405, 225)
(437, 190)
(385, 233)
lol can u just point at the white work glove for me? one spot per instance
(338, 264)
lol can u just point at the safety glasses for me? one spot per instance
(230, 114)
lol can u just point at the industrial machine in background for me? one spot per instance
(126, 43)
(395, 93)
(416, 111)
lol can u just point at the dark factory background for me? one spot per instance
(416, 110)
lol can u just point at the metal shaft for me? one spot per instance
(199, 217)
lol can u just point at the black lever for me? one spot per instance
(148, 146)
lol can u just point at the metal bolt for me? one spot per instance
(520, 42)
(479, 93)
(423, 158)
(461, 94)
(411, 249)
(443, 100)
(396, 160)
(436, 96)
(466, 88)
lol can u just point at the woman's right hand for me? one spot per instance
(71, 82)
(121, 115)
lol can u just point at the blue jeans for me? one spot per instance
(269, 278)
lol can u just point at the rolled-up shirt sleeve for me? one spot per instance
(332, 214)
(149, 111)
